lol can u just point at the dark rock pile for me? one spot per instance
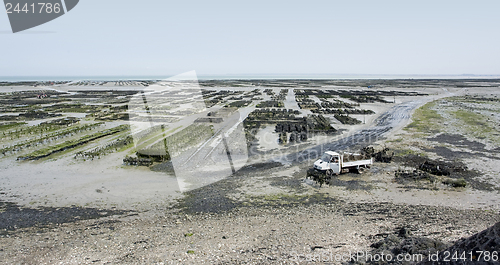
(134, 161)
(403, 243)
(381, 156)
(403, 176)
(481, 248)
(441, 168)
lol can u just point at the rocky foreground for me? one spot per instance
(257, 234)
(228, 222)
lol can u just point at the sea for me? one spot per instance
(242, 77)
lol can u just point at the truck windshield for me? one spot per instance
(326, 157)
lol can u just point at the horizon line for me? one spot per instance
(32, 78)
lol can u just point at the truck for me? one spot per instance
(334, 163)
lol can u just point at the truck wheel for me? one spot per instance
(329, 173)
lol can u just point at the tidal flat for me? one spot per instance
(215, 172)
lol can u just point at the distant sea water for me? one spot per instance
(242, 76)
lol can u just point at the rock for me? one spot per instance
(313, 248)
(403, 243)
(486, 241)
(404, 232)
(455, 182)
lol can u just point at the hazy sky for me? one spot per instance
(122, 37)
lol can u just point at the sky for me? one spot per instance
(123, 37)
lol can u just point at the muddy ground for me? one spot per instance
(275, 219)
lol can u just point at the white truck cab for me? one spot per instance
(329, 161)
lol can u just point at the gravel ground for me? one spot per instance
(208, 228)
(263, 214)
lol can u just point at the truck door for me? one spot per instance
(334, 164)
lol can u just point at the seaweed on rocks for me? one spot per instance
(270, 104)
(136, 161)
(14, 217)
(480, 248)
(403, 243)
(381, 156)
(346, 119)
(456, 172)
